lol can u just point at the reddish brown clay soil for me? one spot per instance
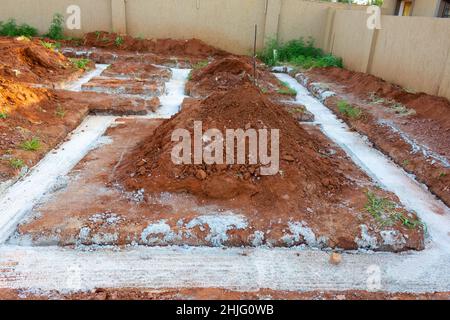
(314, 185)
(191, 47)
(216, 294)
(426, 121)
(232, 72)
(29, 61)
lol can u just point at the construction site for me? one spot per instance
(347, 196)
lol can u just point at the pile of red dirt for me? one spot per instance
(15, 95)
(362, 85)
(25, 60)
(150, 166)
(230, 72)
(191, 47)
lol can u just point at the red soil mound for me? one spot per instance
(191, 47)
(27, 60)
(150, 166)
(230, 72)
(361, 84)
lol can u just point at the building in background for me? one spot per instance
(423, 8)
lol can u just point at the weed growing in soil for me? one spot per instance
(31, 145)
(11, 29)
(286, 89)
(56, 30)
(442, 175)
(119, 41)
(16, 163)
(80, 63)
(348, 110)
(299, 53)
(384, 211)
(60, 112)
(3, 115)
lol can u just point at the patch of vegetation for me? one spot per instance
(348, 110)
(16, 163)
(11, 29)
(51, 45)
(397, 107)
(386, 213)
(80, 63)
(286, 89)
(60, 112)
(200, 65)
(3, 115)
(119, 41)
(405, 163)
(31, 145)
(299, 53)
(56, 30)
(442, 175)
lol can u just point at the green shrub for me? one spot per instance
(31, 145)
(56, 30)
(11, 29)
(3, 115)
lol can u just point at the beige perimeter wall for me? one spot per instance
(410, 51)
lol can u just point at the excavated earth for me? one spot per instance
(127, 191)
(412, 128)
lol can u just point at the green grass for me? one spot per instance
(56, 30)
(3, 115)
(31, 145)
(299, 53)
(286, 89)
(119, 41)
(348, 110)
(385, 212)
(11, 29)
(80, 63)
(16, 163)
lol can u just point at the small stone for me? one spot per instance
(335, 258)
(201, 175)
(288, 158)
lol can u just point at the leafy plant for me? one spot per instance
(51, 45)
(348, 110)
(385, 212)
(200, 65)
(56, 30)
(16, 163)
(286, 89)
(299, 53)
(60, 111)
(11, 29)
(3, 115)
(31, 145)
(80, 63)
